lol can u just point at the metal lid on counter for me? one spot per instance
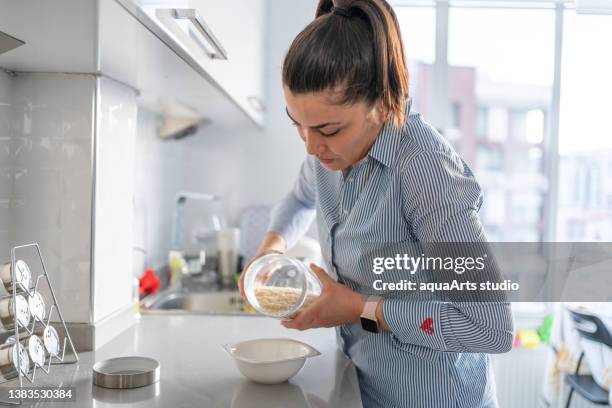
(126, 372)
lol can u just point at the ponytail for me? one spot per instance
(354, 47)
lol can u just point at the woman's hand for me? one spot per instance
(337, 305)
(272, 243)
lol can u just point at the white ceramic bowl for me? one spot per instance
(270, 361)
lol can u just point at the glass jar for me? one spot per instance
(280, 286)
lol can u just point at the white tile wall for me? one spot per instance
(6, 179)
(45, 192)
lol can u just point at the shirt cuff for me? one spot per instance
(416, 322)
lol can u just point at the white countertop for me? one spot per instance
(196, 372)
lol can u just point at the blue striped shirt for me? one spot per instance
(411, 187)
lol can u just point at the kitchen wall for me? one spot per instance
(247, 168)
(50, 125)
(158, 177)
(6, 185)
(46, 149)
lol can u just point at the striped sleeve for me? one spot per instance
(292, 216)
(457, 327)
(441, 199)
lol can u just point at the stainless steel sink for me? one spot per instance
(225, 302)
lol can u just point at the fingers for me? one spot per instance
(299, 324)
(321, 274)
(306, 319)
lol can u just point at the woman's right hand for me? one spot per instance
(273, 243)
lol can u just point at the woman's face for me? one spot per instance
(338, 135)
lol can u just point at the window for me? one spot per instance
(482, 122)
(534, 126)
(504, 115)
(510, 88)
(455, 115)
(418, 26)
(585, 130)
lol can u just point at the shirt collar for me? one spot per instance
(386, 144)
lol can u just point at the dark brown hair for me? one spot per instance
(356, 50)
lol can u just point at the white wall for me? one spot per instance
(6, 183)
(114, 197)
(251, 168)
(157, 179)
(45, 195)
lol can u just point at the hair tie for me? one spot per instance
(341, 11)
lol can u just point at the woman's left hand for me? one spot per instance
(336, 305)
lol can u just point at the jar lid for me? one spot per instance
(126, 372)
(22, 310)
(23, 275)
(36, 350)
(22, 358)
(37, 306)
(51, 340)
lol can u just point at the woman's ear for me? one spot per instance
(378, 114)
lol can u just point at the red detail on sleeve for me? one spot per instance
(427, 326)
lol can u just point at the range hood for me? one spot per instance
(8, 42)
(179, 121)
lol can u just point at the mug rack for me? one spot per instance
(22, 331)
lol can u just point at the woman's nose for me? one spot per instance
(312, 142)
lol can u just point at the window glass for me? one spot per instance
(585, 130)
(418, 26)
(502, 78)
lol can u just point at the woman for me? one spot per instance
(376, 175)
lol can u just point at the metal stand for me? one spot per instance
(30, 330)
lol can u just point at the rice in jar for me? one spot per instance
(280, 286)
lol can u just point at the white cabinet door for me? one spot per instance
(222, 40)
(239, 25)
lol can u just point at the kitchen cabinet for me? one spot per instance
(222, 41)
(140, 44)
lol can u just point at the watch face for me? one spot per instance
(369, 325)
(37, 306)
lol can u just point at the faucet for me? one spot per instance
(179, 213)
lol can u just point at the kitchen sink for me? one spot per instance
(223, 302)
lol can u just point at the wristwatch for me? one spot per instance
(368, 314)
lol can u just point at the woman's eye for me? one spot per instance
(329, 133)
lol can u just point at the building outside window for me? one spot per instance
(499, 111)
